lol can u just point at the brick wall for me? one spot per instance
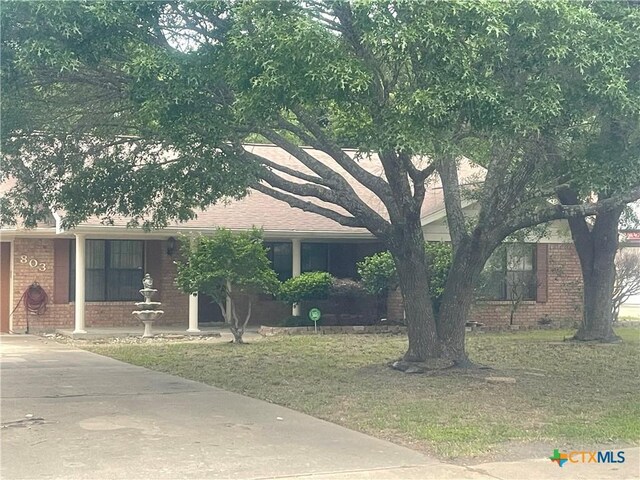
(97, 314)
(38, 250)
(564, 296)
(175, 303)
(264, 309)
(395, 306)
(563, 305)
(108, 314)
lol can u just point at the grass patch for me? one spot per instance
(566, 393)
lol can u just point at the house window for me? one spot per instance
(342, 260)
(339, 259)
(279, 253)
(315, 257)
(113, 270)
(510, 274)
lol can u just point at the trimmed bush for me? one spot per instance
(378, 273)
(307, 286)
(345, 287)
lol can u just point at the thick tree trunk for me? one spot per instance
(596, 246)
(413, 276)
(458, 298)
(597, 250)
(597, 321)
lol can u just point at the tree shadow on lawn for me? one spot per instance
(558, 395)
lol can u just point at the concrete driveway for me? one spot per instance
(70, 414)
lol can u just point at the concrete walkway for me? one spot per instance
(70, 414)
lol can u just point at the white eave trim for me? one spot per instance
(439, 214)
(43, 232)
(107, 231)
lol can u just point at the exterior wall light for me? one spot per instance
(171, 246)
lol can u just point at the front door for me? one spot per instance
(5, 282)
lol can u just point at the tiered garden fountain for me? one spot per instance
(148, 312)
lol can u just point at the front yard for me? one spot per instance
(566, 394)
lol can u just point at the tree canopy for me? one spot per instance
(157, 93)
(149, 104)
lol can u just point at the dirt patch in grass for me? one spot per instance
(565, 395)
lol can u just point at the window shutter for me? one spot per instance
(61, 249)
(542, 271)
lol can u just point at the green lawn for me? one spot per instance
(630, 312)
(566, 394)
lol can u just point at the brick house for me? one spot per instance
(92, 273)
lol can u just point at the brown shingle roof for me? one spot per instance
(260, 210)
(274, 215)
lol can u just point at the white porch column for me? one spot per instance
(296, 268)
(193, 301)
(80, 284)
(193, 313)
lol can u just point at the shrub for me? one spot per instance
(345, 287)
(439, 256)
(378, 273)
(307, 286)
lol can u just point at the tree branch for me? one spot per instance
(397, 177)
(344, 14)
(578, 225)
(417, 176)
(298, 131)
(406, 160)
(309, 206)
(246, 319)
(374, 183)
(345, 196)
(495, 174)
(221, 25)
(422, 175)
(448, 170)
(549, 212)
(329, 175)
(302, 189)
(371, 221)
(294, 173)
(322, 15)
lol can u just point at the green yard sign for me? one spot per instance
(314, 315)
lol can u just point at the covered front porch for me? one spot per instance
(290, 255)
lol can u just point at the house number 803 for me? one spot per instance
(33, 263)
